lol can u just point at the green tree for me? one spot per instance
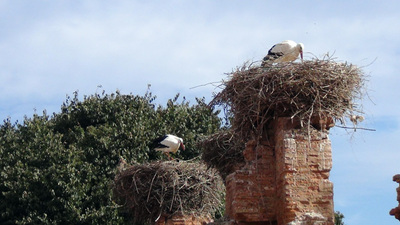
(58, 169)
(33, 173)
(339, 218)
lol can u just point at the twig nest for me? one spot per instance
(254, 96)
(223, 151)
(166, 188)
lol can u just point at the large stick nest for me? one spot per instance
(254, 96)
(223, 151)
(165, 188)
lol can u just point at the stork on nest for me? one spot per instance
(255, 95)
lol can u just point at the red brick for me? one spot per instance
(283, 182)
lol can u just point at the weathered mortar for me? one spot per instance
(250, 191)
(285, 178)
(303, 164)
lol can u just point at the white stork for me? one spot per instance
(286, 51)
(168, 143)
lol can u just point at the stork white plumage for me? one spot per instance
(286, 51)
(168, 143)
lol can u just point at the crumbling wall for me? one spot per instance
(285, 179)
(250, 191)
(396, 211)
(303, 164)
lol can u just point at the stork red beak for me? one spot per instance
(301, 55)
(182, 146)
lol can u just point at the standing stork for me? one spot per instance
(286, 51)
(168, 143)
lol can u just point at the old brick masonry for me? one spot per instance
(285, 179)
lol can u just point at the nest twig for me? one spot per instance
(223, 151)
(256, 95)
(165, 188)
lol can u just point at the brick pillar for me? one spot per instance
(250, 191)
(303, 163)
(285, 179)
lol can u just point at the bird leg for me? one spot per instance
(169, 157)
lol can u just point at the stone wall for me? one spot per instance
(396, 211)
(285, 179)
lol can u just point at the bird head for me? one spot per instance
(301, 47)
(181, 145)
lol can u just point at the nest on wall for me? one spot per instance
(223, 151)
(148, 191)
(254, 96)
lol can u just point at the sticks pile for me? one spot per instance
(257, 95)
(254, 96)
(150, 190)
(223, 151)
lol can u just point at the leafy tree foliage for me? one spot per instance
(339, 218)
(58, 169)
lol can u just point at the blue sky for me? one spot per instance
(49, 49)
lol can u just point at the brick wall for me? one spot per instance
(285, 179)
(396, 211)
(250, 192)
(303, 163)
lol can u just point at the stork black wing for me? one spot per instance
(157, 142)
(272, 55)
